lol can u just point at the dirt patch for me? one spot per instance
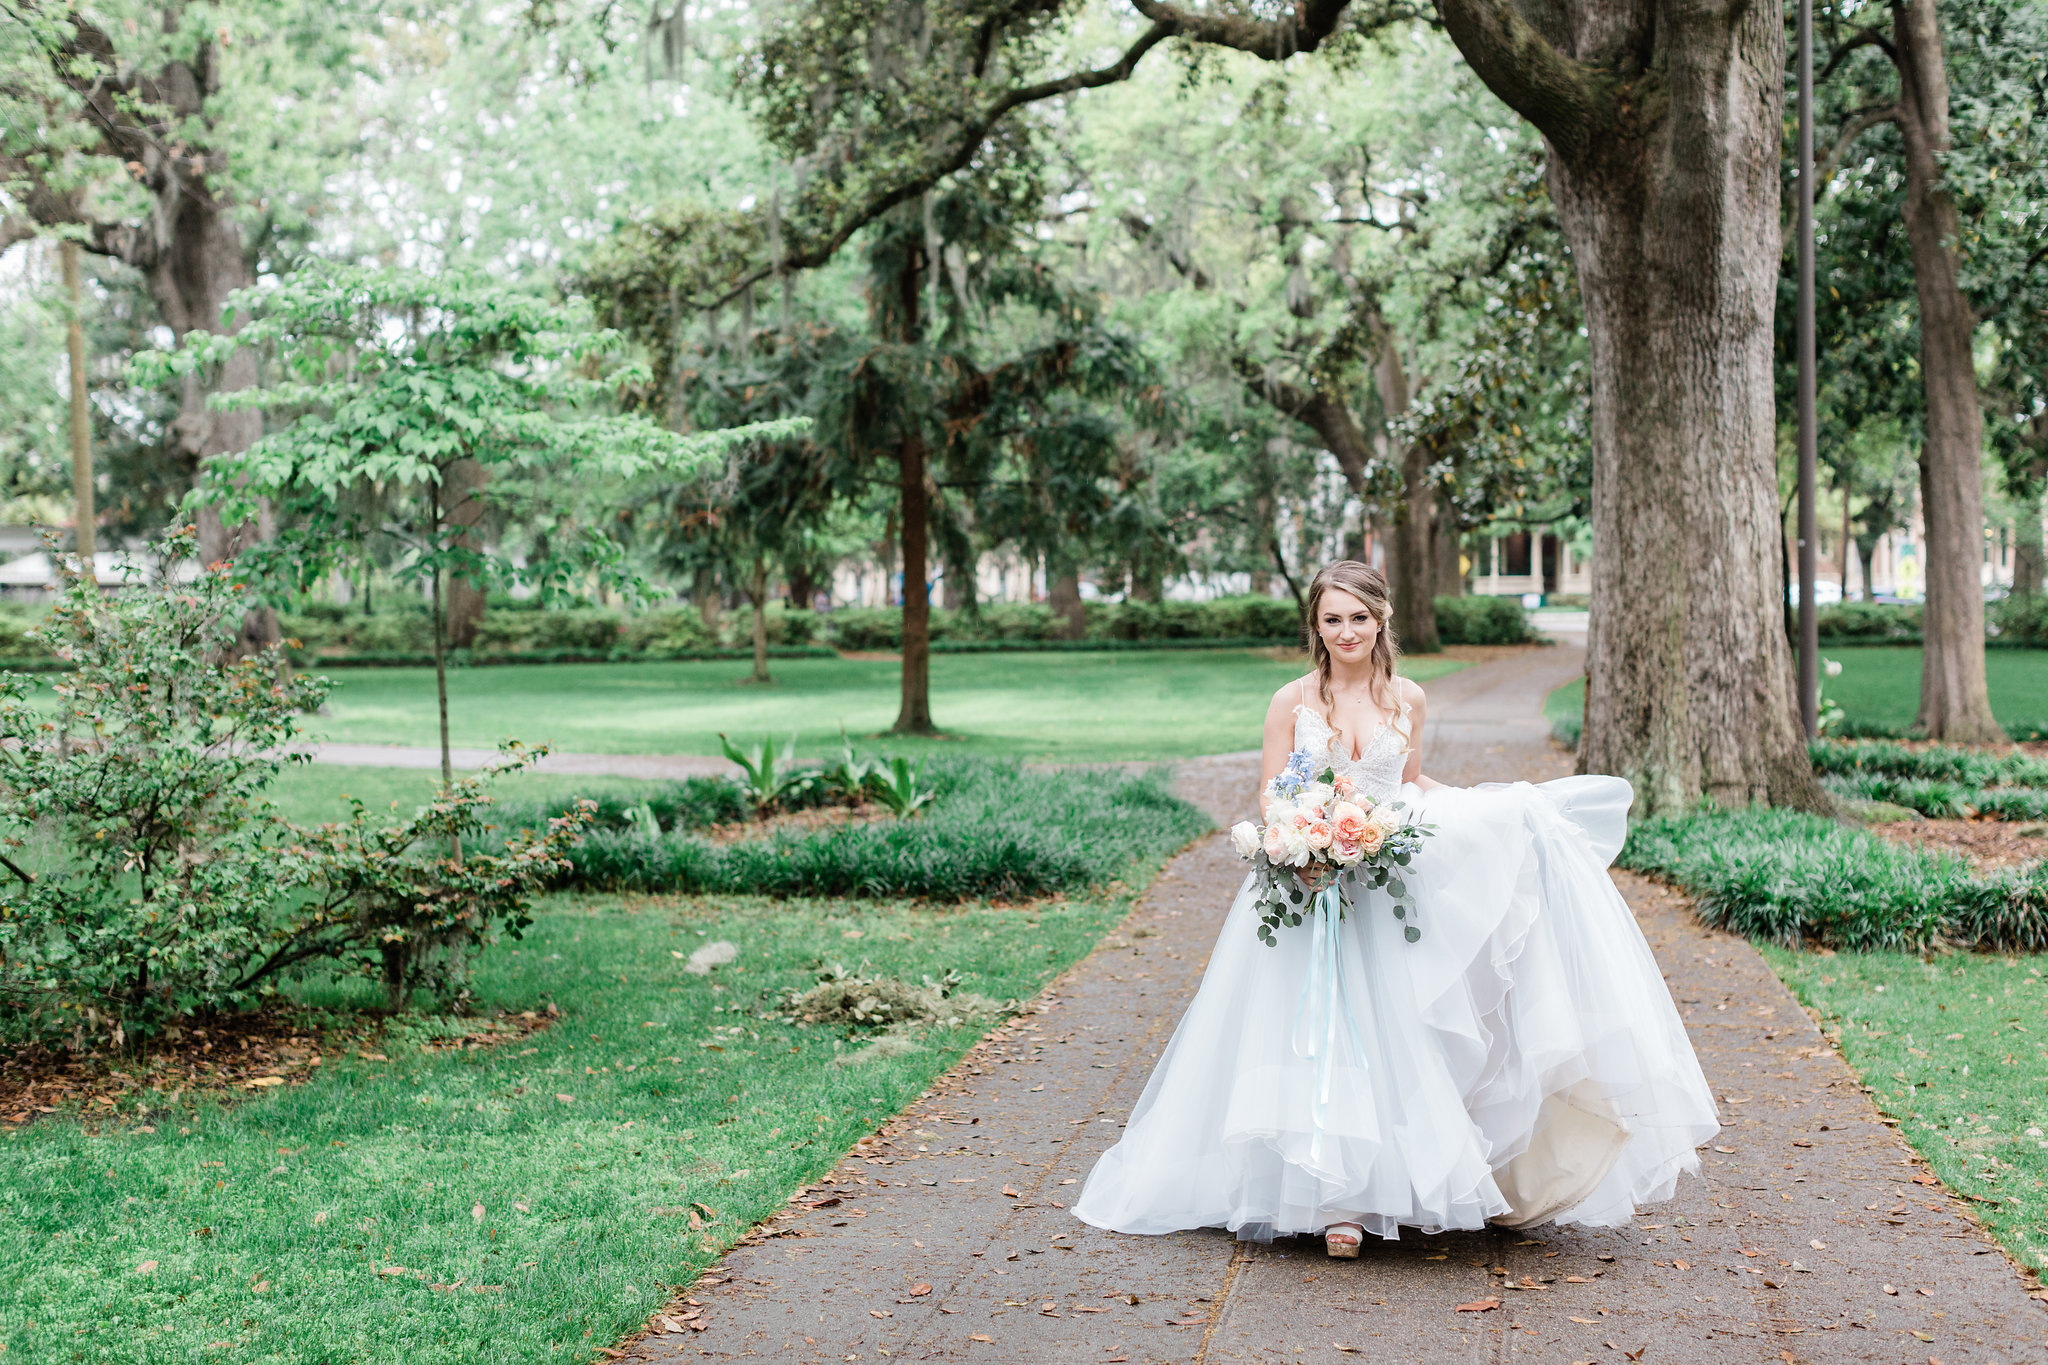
(221, 1060)
(1486, 654)
(1986, 845)
(797, 822)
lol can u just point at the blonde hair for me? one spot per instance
(1369, 586)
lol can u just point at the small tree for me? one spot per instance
(148, 878)
(394, 380)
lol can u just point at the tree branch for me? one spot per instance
(1863, 37)
(1551, 90)
(1274, 40)
(965, 144)
(1824, 170)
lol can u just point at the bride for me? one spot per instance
(1520, 1062)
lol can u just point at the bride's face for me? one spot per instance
(1347, 626)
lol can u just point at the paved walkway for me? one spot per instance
(945, 1237)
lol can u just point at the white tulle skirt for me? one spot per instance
(1522, 1062)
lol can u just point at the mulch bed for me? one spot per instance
(224, 1059)
(1986, 845)
(797, 822)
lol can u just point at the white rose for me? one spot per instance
(1245, 836)
(1296, 840)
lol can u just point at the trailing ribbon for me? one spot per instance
(1323, 991)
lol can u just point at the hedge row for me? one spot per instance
(994, 829)
(1799, 879)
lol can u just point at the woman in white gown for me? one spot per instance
(1520, 1062)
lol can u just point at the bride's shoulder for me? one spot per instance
(1290, 695)
(1410, 690)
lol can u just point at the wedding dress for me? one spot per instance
(1521, 1062)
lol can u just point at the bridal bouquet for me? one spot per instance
(1321, 821)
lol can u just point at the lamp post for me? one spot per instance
(1809, 532)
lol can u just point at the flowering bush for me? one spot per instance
(1323, 824)
(147, 876)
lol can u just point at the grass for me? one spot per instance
(273, 1222)
(1879, 690)
(312, 793)
(1956, 1049)
(1565, 709)
(1072, 707)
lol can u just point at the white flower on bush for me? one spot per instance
(1244, 836)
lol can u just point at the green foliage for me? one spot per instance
(899, 785)
(1930, 762)
(1483, 621)
(1870, 622)
(692, 804)
(769, 778)
(1796, 879)
(991, 830)
(151, 880)
(1237, 619)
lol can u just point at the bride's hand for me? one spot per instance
(1315, 876)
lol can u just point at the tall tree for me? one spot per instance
(1662, 125)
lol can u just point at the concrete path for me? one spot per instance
(945, 1236)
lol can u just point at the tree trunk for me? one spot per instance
(1064, 594)
(1450, 569)
(1668, 196)
(915, 717)
(704, 591)
(2029, 556)
(757, 593)
(466, 479)
(1955, 703)
(1866, 550)
(1845, 542)
(1415, 519)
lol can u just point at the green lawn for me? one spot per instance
(1880, 685)
(1136, 705)
(537, 1197)
(315, 792)
(1956, 1049)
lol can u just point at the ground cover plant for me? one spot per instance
(1955, 1048)
(1944, 782)
(1065, 707)
(669, 1110)
(1786, 877)
(991, 829)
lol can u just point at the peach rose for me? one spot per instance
(1344, 786)
(1371, 837)
(1348, 821)
(1276, 842)
(1319, 835)
(1345, 853)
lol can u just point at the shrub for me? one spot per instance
(1930, 762)
(1869, 621)
(667, 631)
(152, 880)
(692, 804)
(1225, 618)
(1483, 621)
(2019, 619)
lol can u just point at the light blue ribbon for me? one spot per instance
(1323, 992)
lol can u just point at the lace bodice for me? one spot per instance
(1377, 769)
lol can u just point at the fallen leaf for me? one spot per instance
(1818, 1245)
(981, 1336)
(1751, 1254)
(476, 1212)
(1036, 1088)
(1477, 1306)
(1890, 1290)
(1010, 1192)
(1577, 1279)
(1189, 1321)
(1724, 1149)
(392, 1270)
(1926, 1179)
(880, 1313)
(1085, 1308)
(918, 1291)
(608, 1351)
(264, 1081)
(1924, 1336)
(1590, 1322)
(145, 1268)
(1801, 1142)
(1348, 1350)
(566, 1099)
(319, 1218)
(830, 1202)
(1636, 1354)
